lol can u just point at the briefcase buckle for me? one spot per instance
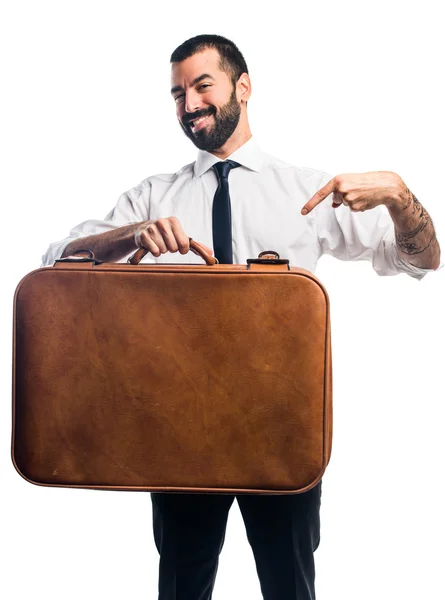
(267, 257)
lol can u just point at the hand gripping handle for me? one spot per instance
(210, 260)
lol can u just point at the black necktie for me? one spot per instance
(222, 216)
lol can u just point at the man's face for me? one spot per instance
(206, 102)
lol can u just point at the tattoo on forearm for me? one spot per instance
(410, 247)
(412, 200)
(405, 240)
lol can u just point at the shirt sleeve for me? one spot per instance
(367, 235)
(132, 207)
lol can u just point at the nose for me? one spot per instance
(192, 101)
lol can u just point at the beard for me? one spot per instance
(225, 122)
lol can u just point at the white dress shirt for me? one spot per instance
(266, 196)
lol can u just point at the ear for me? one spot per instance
(243, 88)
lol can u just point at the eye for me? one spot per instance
(178, 97)
(204, 85)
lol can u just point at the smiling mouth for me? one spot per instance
(199, 123)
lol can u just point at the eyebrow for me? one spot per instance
(178, 88)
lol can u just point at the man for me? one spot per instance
(276, 206)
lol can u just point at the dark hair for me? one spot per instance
(231, 59)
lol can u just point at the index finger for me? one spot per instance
(319, 197)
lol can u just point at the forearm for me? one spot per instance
(414, 230)
(110, 246)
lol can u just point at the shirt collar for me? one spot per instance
(249, 155)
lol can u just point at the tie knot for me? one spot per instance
(223, 168)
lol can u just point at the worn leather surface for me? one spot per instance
(181, 378)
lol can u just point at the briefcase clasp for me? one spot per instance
(267, 257)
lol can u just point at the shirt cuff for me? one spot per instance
(413, 271)
(54, 252)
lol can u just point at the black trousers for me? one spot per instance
(283, 531)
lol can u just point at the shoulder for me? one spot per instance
(306, 174)
(185, 171)
(162, 179)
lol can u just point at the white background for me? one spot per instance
(340, 87)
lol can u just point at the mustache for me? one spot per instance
(187, 119)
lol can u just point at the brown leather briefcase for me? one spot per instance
(172, 378)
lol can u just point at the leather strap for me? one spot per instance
(210, 260)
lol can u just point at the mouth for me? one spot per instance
(199, 123)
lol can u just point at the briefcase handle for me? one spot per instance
(210, 260)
